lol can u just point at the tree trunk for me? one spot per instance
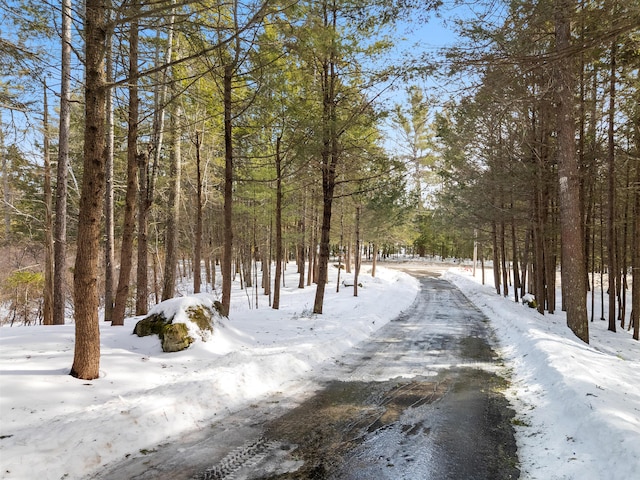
(514, 251)
(302, 247)
(173, 208)
(622, 258)
(611, 200)
(550, 249)
(374, 262)
(60, 234)
(635, 293)
(323, 257)
(86, 357)
(147, 179)
(228, 192)
(109, 221)
(144, 203)
(197, 249)
(278, 273)
(357, 254)
(313, 245)
(5, 184)
(47, 310)
(496, 257)
(503, 259)
(573, 274)
(329, 157)
(525, 263)
(128, 228)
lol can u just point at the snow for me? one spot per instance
(578, 406)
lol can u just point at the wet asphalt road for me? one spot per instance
(420, 400)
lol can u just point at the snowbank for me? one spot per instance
(56, 426)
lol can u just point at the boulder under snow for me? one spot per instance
(178, 322)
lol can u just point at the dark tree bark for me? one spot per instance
(611, 198)
(496, 257)
(573, 267)
(503, 259)
(302, 224)
(228, 191)
(173, 209)
(109, 219)
(128, 229)
(374, 262)
(197, 248)
(60, 233)
(357, 254)
(278, 274)
(514, 248)
(329, 154)
(144, 205)
(86, 357)
(47, 309)
(635, 293)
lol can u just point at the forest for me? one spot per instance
(145, 143)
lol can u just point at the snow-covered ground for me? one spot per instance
(578, 406)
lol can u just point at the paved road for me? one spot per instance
(419, 400)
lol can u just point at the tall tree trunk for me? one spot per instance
(302, 246)
(539, 270)
(340, 245)
(86, 357)
(357, 253)
(503, 259)
(496, 257)
(144, 204)
(323, 256)
(5, 184)
(47, 310)
(573, 274)
(109, 219)
(622, 258)
(197, 248)
(374, 260)
(278, 273)
(550, 266)
(514, 248)
(60, 233)
(611, 199)
(525, 263)
(635, 248)
(128, 228)
(227, 253)
(329, 155)
(313, 244)
(173, 208)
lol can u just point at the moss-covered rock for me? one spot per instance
(152, 325)
(529, 300)
(202, 317)
(187, 321)
(175, 338)
(218, 306)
